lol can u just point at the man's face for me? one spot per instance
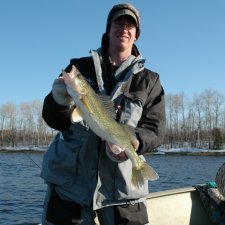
(123, 33)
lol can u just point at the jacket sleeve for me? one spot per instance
(151, 126)
(55, 115)
(58, 116)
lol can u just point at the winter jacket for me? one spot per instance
(76, 161)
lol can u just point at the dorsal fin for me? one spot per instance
(108, 104)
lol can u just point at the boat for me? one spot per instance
(181, 206)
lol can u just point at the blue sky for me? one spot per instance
(182, 40)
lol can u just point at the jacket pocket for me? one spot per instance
(123, 187)
(131, 110)
(60, 161)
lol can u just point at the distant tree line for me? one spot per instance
(199, 122)
(22, 125)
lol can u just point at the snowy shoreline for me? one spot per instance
(22, 149)
(189, 151)
(159, 151)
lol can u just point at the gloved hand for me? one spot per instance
(115, 153)
(60, 94)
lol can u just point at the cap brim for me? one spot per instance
(124, 12)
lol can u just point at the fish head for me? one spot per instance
(74, 80)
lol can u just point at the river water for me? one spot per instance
(22, 190)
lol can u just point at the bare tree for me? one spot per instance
(38, 121)
(26, 123)
(3, 117)
(170, 119)
(8, 120)
(197, 106)
(218, 101)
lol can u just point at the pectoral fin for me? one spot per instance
(76, 116)
(86, 105)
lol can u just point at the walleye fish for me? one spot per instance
(90, 107)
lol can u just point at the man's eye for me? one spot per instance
(128, 26)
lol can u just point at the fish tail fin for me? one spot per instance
(145, 172)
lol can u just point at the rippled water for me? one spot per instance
(22, 190)
(177, 171)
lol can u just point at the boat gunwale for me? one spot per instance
(168, 192)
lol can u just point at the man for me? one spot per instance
(85, 175)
